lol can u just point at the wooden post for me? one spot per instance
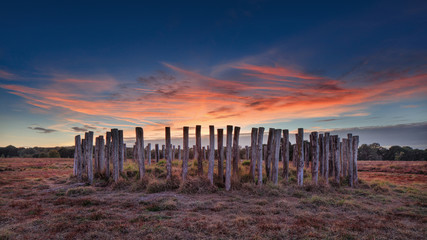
(355, 152)
(96, 154)
(326, 140)
(168, 153)
(107, 155)
(236, 153)
(149, 154)
(337, 159)
(276, 152)
(294, 153)
(228, 158)
(115, 153)
(179, 152)
(269, 157)
(350, 158)
(254, 139)
(320, 146)
(211, 153)
(101, 163)
(121, 151)
(186, 153)
(314, 143)
(300, 156)
(285, 154)
(78, 157)
(306, 154)
(89, 144)
(140, 151)
(157, 153)
(220, 133)
(199, 150)
(345, 157)
(259, 153)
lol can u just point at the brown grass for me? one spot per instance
(40, 200)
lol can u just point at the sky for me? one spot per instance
(67, 67)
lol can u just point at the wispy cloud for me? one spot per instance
(42, 130)
(7, 75)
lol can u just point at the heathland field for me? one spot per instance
(39, 199)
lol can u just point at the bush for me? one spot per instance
(54, 154)
(197, 185)
(246, 163)
(158, 185)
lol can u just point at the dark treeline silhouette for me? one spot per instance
(372, 151)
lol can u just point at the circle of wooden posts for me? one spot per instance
(328, 155)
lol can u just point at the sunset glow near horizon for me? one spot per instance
(339, 67)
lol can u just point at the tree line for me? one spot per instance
(372, 151)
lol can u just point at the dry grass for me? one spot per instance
(39, 200)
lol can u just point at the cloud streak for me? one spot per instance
(42, 130)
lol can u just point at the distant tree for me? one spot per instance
(54, 154)
(43, 155)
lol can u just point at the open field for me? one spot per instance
(40, 200)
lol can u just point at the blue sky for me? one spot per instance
(66, 67)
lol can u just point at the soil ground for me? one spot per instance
(39, 199)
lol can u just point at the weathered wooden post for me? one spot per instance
(121, 151)
(294, 153)
(345, 157)
(220, 133)
(186, 153)
(108, 148)
(341, 160)
(276, 151)
(199, 150)
(168, 153)
(89, 143)
(337, 159)
(115, 153)
(259, 153)
(306, 154)
(228, 158)
(326, 140)
(101, 162)
(179, 152)
(149, 154)
(211, 153)
(320, 146)
(254, 138)
(236, 153)
(285, 154)
(269, 156)
(314, 142)
(96, 155)
(140, 151)
(157, 153)
(300, 156)
(355, 152)
(163, 152)
(350, 158)
(78, 157)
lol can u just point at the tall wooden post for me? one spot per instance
(220, 133)
(179, 152)
(149, 154)
(89, 143)
(211, 153)
(320, 146)
(254, 138)
(108, 148)
(314, 142)
(350, 158)
(276, 153)
(96, 155)
(300, 156)
(337, 159)
(355, 153)
(285, 154)
(236, 153)
(345, 157)
(306, 154)
(101, 162)
(168, 153)
(121, 151)
(259, 153)
(326, 140)
(140, 151)
(199, 150)
(78, 157)
(115, 153)
(157, 153)
(269, 156)
(186, 153)
(228, 158)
